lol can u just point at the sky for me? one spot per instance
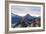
(23, 10)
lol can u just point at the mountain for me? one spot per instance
(28, 16)
(15, 18)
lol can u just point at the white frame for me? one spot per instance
(28, 28)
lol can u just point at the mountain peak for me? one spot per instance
(28, 15)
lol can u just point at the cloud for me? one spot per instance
(26, 10)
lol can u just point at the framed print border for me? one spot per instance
(7, 16)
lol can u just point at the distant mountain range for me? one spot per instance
(16, 18)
